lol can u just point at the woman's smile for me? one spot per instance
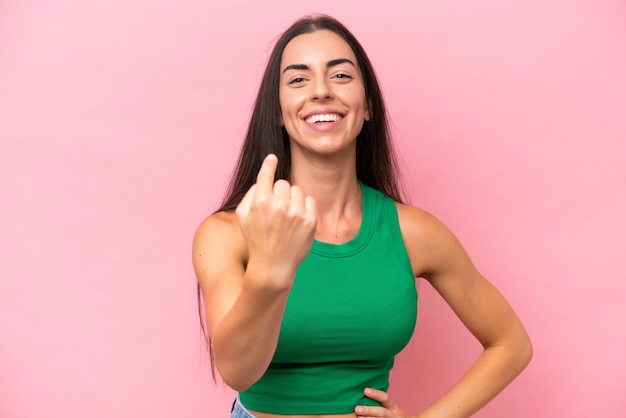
(323, 119)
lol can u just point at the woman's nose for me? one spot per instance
(321, 90)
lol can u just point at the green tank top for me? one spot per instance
(351, 309)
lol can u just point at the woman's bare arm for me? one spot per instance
(245, 263)
(438, 256)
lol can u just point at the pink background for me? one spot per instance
(119, 125)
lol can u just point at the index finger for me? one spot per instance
(265, 178)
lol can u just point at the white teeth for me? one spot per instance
(331, 117)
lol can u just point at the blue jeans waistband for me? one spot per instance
(239, 411)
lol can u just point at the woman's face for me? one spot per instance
(322, 98)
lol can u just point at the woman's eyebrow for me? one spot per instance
(330, 63)
(338, 61)
(296, 67)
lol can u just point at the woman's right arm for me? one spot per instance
(245, 263)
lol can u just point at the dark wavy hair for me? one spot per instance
(376, 164)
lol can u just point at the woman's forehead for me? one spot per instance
(316, 47)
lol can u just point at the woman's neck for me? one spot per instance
(334, 185)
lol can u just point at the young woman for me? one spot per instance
(308, 269)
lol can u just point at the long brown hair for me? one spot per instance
(376, 164)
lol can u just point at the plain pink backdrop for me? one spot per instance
(120, 123)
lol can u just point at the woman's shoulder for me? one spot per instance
(427, 240)
(416, 220)
(219, 235)
(219, 223)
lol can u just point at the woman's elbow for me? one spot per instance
(235, 381)
(526, 351)
(235, 376)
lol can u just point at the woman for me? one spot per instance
(308, 268)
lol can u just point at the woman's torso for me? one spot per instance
(373, 287)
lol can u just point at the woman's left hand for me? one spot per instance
(388, 409)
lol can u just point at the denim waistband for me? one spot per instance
(239, 411)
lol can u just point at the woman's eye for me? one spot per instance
(342, 76)
(296, 80)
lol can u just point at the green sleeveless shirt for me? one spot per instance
(351, 309)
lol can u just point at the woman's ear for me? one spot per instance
(368, 114)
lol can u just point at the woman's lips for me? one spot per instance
(323, 117)
(323, 120)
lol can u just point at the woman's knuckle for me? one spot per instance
(281, 183)
(261, 200)
(281, 208)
